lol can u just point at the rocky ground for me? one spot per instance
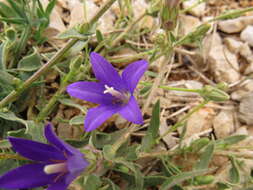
(223, 56)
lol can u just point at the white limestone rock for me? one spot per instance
(223, 63)
(235, 25)
(247, 35)
(246, 109)
(223, 124)
(199, 121)
(198, 11)
(188, 24)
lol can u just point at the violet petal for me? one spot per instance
(57, 142)
(35, 150)
(89, 91)
(132, 112)
(105, 72)
(27, 176)
(96, 116)
(76, 164)
(133, 73)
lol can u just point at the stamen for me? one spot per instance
(114, 93)
(108, 89)
(55, 168)
(119, 97)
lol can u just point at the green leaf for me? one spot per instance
(13, 20)
(17, 8)
(77, 120)
(205, 157)
(12, 117)
(223, 143)
(50, 7)
(203, 180)
(176, 179)
(20, 133)
(170, 168)
(145, 90)
(7, 79)
(3, 48)
(147, 142)
(11, 34)
(223, 186)
(198, 144)
(30, 63)
(99, 36)
(155, 120)
(234, 171)
(32, 129)
(71, 103)
(194, 36)
(128, 152)
(154, 180)
(6, 11)
(99, 139)
(92, 182)
(152, 132)
(73, 33)
(36, 131)
(108, 152)
(138, 178)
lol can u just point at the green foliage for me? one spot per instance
(205, 157)
(176, 179)
(234, 171)
(152, 133)
(141, 160)
(228, 141)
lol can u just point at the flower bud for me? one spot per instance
(169, 13)
(203, 180)
(214, 94)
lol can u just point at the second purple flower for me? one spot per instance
(113, 92)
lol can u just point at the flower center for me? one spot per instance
(56, 168)
(119, 96)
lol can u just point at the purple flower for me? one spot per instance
(56, 165)
(113, 92)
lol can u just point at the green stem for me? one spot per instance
(123, 34)
(231, 14)
(128, 29)
(181, 122)
(131, 57)
(55, 59)
(172, 88)
(179, 89)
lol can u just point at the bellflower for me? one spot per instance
(114, 92)
(56, 164)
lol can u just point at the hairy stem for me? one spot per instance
(127, 30)
(123, 34)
